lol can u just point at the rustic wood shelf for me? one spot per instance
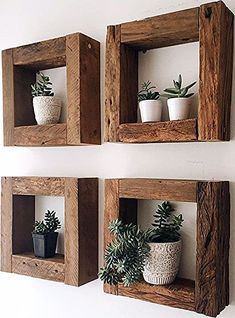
(215, 77)
(81, 56)
(79, 264)
(209, 294)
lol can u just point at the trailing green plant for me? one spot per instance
(50, 224)
(166, 225)
(125, 255)
(147, 93)
(178, 90)
(42, 87)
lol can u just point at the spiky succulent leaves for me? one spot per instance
(147, 93)
(178, 90)
(50, 224)
(125, 255)
(166, 225)
(42, 87)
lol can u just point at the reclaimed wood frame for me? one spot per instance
(209, 24)
(79, 264)
(209, 293)
(81, 56)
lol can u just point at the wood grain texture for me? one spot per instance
(71, 229)
(40, 135)
(23, 100)
(28, 264)
(180, 294)
(6, 223)
(156, 189)
(23, 222)
(216, 31)
(83, 77)
(41, 55)
(163, 30)
(8, 96)
(212, 255)
(168, 131)
(50, 186)
(112, 83)
(88, 229)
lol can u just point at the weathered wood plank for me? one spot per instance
(51, 186)
(111, 212)
(154, 189)
(41, 55)
(216, 67)
(6, 223)
(168, 131)
(40, 135)
(163, 30)
(112, 83)
(22, 224)
(71, 245)
(88, 229)
(28, 264)
(180, 294)
(212, 255)
(8, 96)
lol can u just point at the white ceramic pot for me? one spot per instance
(179, 108)
(47, 109)
(162, 265)
(150, 110)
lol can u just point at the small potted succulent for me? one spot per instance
(153, 254)
(47, 107)
(149, 103)
(179, 101)
(45, 236)
(162, 264)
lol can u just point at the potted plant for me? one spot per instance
(149, 103)
(162, 264)
(44, 235)
(125, 255)
(47, 107)
(179, 101)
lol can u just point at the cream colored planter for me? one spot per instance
(150, 110)
(162, 265)
(47, 109)
(179, 108)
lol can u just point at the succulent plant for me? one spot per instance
(146, 92)
(42, 87)
(178, 90)
(50, 224)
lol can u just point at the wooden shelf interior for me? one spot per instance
(81, 56)
(208, 295)
(123, 42)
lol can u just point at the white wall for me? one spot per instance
(25, 21)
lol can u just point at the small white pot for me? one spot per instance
(162, 265)
(150, 110)
(179, 108)
(47, 109)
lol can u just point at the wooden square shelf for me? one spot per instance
(81, 56)
(79, 264)
(212, 25)
(209, 293)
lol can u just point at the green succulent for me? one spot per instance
(178, 90)
(146, 92)
(50, 224)
(42, 87)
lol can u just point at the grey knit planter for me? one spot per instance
(162, 265)
(47, 109)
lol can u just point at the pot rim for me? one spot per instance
(47, 97)
(152, 100)
(169, 243)
(170, 98)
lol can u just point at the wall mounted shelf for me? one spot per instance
(209, 24)
(209, 293)
(81, 56)
(79, 264)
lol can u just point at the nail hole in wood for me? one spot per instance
(208, 12)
